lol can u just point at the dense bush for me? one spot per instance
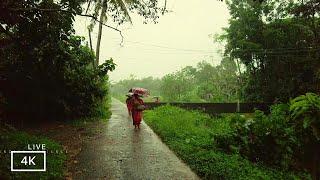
(287, 137)
(192, 134)
(305, 110)
(70, 88)
(262, 138)
(45, 71)
(305, 115)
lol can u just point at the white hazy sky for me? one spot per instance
(181, 38)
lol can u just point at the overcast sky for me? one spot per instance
(181, 38)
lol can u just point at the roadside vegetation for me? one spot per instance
(15, 140)
(271, 55)
(281, 145)
(46, 75)
(49, 75)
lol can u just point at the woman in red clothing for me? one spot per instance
(137, 109)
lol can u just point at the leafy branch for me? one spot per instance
(67, 11)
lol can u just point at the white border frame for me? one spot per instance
(39, 152)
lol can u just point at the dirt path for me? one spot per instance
(123, 153)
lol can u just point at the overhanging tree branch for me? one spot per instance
(67, 11)
(96, 19)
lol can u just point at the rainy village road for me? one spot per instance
(123, 153)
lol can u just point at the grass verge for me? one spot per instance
(17, 140)
(190, 135)
(63, 140)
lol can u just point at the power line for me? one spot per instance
(166, 47)
(165, 51)
(172, 48)
(267, 51)
(278, 49)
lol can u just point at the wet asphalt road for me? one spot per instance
(124, 153)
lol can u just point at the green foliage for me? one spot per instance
(179, 86)
(305, 117)
(276, 41)
(46, 72)
(18, 141)
(269, 139)
(217, 83)
(194, 137)
(306, 110)
(286, 138)
(108, 65)
(204, 83)
(121, 88)
(119, 10)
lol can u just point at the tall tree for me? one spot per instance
(217, 83)
(280, 50)
(119, 11)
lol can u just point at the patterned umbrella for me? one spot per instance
(140, 91)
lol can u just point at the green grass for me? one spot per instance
(121, 98)
(190, 134)
(16, 140)
(102, 110)
(11, 140)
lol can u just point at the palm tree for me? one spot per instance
(121, 14)
(101, 7)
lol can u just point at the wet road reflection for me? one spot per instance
(125, 153)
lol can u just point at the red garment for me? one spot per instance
(129, 104)
(136, 114)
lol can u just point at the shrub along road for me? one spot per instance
(124, 153)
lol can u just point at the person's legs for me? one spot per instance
(133, 121)
(141, 116)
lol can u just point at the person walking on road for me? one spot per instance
(137, 109)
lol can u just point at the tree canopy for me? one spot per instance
(203, 83)
(278, 42)
(46, 70)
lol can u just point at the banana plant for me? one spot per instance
(306, 108)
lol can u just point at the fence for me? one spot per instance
(216, 108)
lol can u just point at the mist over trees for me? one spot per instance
(272, 51)
(203, 83)
(121, 88)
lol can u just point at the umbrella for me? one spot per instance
(140, 91)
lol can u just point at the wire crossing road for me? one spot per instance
(125, 153)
